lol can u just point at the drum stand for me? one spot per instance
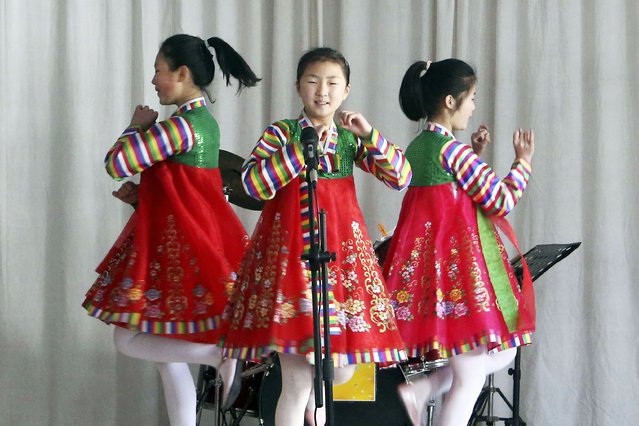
(483, 412)
(430, 410)
(209, 380)
(410, 370)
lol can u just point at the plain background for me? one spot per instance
(72, 71)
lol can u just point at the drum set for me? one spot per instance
(262, 384)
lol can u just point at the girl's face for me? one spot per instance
(165, 81)
(459, 118)
(322, 89)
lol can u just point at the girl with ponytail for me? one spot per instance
(165, 282)
(451, 285)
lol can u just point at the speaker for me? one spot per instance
(386, 410)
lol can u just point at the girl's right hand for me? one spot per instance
(322, 132)
(127, 193)
(480, 139)
(524, 144)
(144, 117)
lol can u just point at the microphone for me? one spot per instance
(309, 140)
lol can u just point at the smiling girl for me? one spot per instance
(270, 310)
(165, 282)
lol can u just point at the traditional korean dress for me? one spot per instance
(170, 271)
(449, 276)
(271, 308)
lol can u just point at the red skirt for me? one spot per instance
(449, 277)
(171, 270)
(271, 308)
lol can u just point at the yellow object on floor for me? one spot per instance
(361, 387)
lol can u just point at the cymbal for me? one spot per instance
(231, 169)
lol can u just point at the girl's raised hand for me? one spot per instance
(144, 117)
(524, 144)
(480, 139)
(355, 123)
(322, 131)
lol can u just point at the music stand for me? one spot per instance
(539, 259)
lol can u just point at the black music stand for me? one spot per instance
(539, 259)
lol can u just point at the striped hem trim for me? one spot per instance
(380, 356)
(494, 342)
(134, 322)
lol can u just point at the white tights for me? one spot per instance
(297, 400)
(179, 392)
(463, 379)
(172, 357)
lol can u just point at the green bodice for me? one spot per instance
(205, 152)
(423, 154)
(344, 153)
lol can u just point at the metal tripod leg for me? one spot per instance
(490, 418)
(483, 412)
(209, 380)
(430, 409)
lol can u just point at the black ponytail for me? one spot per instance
(193, 52)
(410, 92)
(232, 64)
(424, 87)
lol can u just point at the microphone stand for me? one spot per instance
(317, 258)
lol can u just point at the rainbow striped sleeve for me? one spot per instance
(273, 163)
(136, 150)
(384, 160)
(479, 181)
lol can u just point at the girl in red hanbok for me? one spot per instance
(271, 310)
(454, 292)
(165, 282)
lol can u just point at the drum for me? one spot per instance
(270, 390)
(381, 249)
(247, 402)
(257, 390)
(415, 367)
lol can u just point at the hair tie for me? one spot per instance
(209, 50)
(423, 72)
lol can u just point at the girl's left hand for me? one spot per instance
(355, 123)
